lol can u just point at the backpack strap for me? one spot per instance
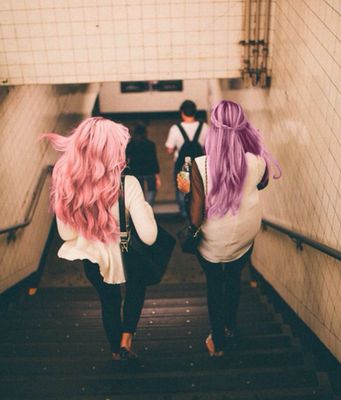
(183, 132)
(197, 132)
(196, 135)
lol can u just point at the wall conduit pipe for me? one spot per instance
(265, 49)
(246, 43)
(255, 51)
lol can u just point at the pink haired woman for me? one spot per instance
(85, 191)
(225, 204)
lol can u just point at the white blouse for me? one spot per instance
(227, 238)
(108, 255)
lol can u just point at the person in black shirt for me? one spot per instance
(143, 163)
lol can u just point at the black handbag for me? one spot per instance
(145, 262)
(189, 238)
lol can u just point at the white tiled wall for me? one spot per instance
(25, 113)
(300, 118)
(68, 41)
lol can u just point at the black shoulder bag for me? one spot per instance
(147, 263)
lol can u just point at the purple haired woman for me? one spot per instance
(225, 205)
(85, 190)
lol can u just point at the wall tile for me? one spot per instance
(82, 26)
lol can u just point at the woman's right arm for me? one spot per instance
(197, 207)
(140, 211)
(263, 173)
(155, 165)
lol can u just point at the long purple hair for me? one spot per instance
(86, 178)
(231, 136)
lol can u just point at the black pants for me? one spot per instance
(111, 300)
(223, 294)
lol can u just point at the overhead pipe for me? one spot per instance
(246, 43)
(265, 50)
(255, 50)
(255, 62)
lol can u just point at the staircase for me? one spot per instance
(53, 347)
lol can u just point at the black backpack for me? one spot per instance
(191, 148)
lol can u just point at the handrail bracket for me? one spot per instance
(300, 239)
(11, 235)
(298, 242)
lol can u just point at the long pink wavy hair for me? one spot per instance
(86, 178)
(231, 136)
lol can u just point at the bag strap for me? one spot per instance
(197, 132)
(183, 132)
(197, 231)
(206, 181)
(196, 135)
(125, 234)
(205, 192)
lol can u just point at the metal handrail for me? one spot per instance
(301, 239)
(11, 230)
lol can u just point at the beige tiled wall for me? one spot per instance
(69, 41)
(25, 113)
(300, 118)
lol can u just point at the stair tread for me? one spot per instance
(155, 311)
(195, 362)
(165, 381)
(153, 292)
(310, 393)
(165, 319)
(79, 331)
(38, 302)
(180, 344)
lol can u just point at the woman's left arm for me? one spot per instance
(140, 211)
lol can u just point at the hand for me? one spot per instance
(182, 184)
(157, 181)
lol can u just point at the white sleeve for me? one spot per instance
(203, 134)
(140, 211)
(65, 231)
(171, 141)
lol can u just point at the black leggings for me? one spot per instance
(223, 294)
(110, 297)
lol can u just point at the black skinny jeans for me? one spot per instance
(111, 300)
(223, 294)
